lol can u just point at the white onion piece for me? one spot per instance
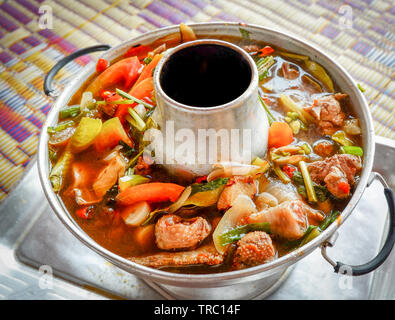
(229, 169)
(136, 214)
(140, 110)
(113, 153)
(242, 207)
(181, 200)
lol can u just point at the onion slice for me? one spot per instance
(181, 200)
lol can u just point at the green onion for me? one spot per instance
(341, 137)
(134, 160)
(356, 151)
(70, 112)
(311, 233)
(270, 117)
(281, 174)
(61, 126)
(311, 196)
(147, 60)
(135, 120)
(128, 96)
(306, 148)
(239, 232)
(329, 219)
(263, 66)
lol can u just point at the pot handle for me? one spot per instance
(48, 89)
(339, 267)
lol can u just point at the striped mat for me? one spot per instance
(360, 35)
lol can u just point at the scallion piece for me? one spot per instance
(354, 150)
(61, 126)
(69, 112)
(263, 66)
(270, 117)
(135, 120)
(128, 96)
(281, 174)
(239, 232)
(308, 183)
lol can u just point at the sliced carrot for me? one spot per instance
(151, 192)
(147, 71)
(280, 134)
(112, 131)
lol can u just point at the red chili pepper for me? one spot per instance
(85, 212)
(289, 170)
(344, 187)
(139, 50)
(101, 65)
(265, 51)
(201, 179)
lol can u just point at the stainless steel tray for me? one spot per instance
(40, 259)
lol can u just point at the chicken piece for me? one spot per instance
(288, 72)
(334, 179)
(174, 233)
(288, 220)
(83, 176)
(253, 249)
(108, 176)
(236, 186)
(349, 164)
(328, 113)
(206, 254)
(324, 148)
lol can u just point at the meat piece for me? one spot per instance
(236, 186)
(174, 233)
(288, 72)
(324, 148)
(349, 164)
(253, 249)
(334, 180)
(328, 113)
(142, 168)
(251, 48)
(206, 254)
(109, 175)
(337, 172)
(287, 220)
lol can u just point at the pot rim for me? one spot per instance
(214, 279)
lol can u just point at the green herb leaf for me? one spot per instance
(329, 219)
(239, 232)
(212, 185)
(126, 149)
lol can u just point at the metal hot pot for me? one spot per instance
(241, 283)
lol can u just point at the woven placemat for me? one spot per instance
(34, 34)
